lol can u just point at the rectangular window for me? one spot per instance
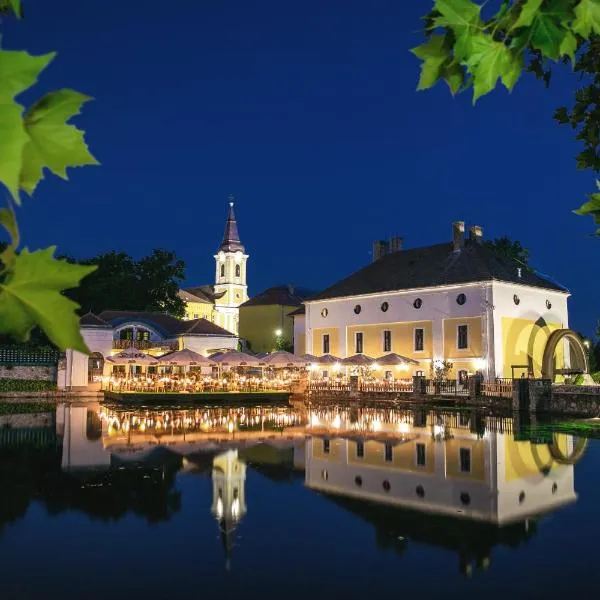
(325, 446)
(419, 340)
(389, 452)
(421, 457)
(387, 341)
(326, 344)
(359, 342)
(465, 460)
(462, 341)
(360, 449)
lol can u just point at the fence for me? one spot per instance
(13, 355)
(448, 387)
(500, 388)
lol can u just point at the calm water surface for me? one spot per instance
(100, 502)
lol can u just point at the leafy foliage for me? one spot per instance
(32, 283)
(27, 385)
(151, 284)
(507, 248)
(467, 50)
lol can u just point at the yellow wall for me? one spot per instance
(300, 344)
(524, 459)
(334, 340)
(402, 339)
(477, 448)
(404, 455)
(335, 449)
(258, 325)
(524, 342)
(451, 338)
(198, 310)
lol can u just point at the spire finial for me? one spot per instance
(231, 199)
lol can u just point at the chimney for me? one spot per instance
(396, 244)
(476, 234)
(458, 236)
(380, 249)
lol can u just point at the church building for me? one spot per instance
(220, 302)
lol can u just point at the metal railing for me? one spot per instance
(11, 355)
(143, 344)
(497, 389)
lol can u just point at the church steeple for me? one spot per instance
(231, 238)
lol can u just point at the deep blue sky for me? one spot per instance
(308, 113)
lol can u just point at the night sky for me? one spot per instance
(307, 112)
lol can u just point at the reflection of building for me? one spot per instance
(443, 485)
(455, 301)
(229, 501)
(220, 302)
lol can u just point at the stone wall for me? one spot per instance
(34, 372)
(582, 404)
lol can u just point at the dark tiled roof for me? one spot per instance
(281, 295)
(92, 320)
(167, 325)
(433, 266)
(203, 293)
(231, 238)
(298, 311)
(189, 297)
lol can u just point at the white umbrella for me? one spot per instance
(393, 359)
(327, 359)
(284, 359)
(185, 357)
(358, 360)
(133, 356)
(237, 359)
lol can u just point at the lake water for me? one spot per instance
(101, 502)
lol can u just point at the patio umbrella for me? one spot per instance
(284, 359)
(327, 359)
(237, 359)
(393, 359)
(358, 360)
(309, 357)
(133, 356)
(185, 357)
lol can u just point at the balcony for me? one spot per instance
(165, 345)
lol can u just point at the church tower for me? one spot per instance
(230, 275)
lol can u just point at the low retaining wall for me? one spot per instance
(31, 372)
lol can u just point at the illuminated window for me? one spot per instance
(359, 342)
(238, 270)
(326, 343)
(462, 341)
(465, 460)
(389, 452)
(419, 345)
(387, 341)
(421, 456)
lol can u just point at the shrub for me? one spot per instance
(26, 385)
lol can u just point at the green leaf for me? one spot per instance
(549, 28)
(457, 14)
(569, 46)
(31, 295)
(512, 71)
(528, 13)
(454, 76)
(52, 143)
(9, 221)
(434, 54)
(18, 71)
(13, 5)
(587, 18)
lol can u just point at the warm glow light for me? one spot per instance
(479, 363)
(314, 420)
(230, 427)
(337, 366)
(278, 332)
(377, 425)
(375, 366)
(313, 367)
(337, 422)
(403, 427)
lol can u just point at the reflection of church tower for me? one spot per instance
(229, 501)
(230, 275)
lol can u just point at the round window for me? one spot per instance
(418, 303)
(324, 312)
(465, 498)
(384, 306)
(420, 491)
(516, 300)
(357, 309)
(461, 299)
(548, 304)
(358, 480)
(386, 486)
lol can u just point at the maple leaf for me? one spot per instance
(31, 295)
(457, 14)
(569, 46)
(18, 71)
(528, 13)
(434, 54)
(587, 18)
(454, 76)
(53, 144)
(8, 220)
(547, 31)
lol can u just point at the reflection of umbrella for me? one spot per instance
(284, 359)
(393, 359)
(358, 360)
(185, 357)
(326, 359)
(133, 356)
(237, 359)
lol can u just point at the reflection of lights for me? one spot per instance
(230, 427)
(219, 508)
(403, 427)
(235, 508)
(337, 422)
(314, 420)
(376, 425)
(438, 429)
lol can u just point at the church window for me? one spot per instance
(238, 270)
(387, 341)
(463, 337)
(419, 340)
(326, 344)
(359, 343)
(222, 270)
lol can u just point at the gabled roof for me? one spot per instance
(281, 295)
(432, 266)
(94, 321)
(298, 312)
(201, 293)
(231, 238)
(166, 325)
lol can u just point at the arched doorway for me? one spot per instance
(95, 367)
(578, 355)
